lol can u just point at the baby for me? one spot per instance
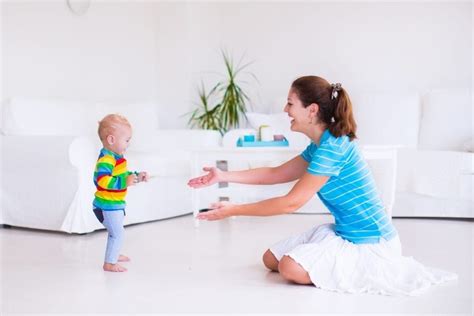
(112, 179)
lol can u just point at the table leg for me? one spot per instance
(194, 193)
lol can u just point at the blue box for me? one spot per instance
(276, 143)
(249, 138)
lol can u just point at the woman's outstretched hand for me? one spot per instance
(213, 175)
(219, 210)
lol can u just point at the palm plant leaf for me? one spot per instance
(227, 113)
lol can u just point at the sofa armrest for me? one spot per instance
(437, 173)
(83, 152)
(26, 147)
(39, 180)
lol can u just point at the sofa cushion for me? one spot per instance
(46, 116)
(413, 204)
(387, 118)
(437, 173)
(142, 116)
(51, 116)
(161, 164)
(447, 119)
(176, 139)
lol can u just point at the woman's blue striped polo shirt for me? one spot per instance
(350, 193)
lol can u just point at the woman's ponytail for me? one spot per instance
(343, 122)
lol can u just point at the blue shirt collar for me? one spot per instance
(111, 153)
(326, 134)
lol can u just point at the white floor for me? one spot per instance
(216, 268)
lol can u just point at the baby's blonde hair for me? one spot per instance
(110, 123)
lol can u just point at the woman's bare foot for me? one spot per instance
(123, 258)
(113, 267)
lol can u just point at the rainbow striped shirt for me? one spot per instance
(110, 179)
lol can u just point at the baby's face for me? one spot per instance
(121, 137)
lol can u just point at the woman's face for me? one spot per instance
(301, 117)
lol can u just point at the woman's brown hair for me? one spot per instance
(335, 107)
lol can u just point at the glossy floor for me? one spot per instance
(216, 268)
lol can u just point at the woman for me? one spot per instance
(361, 251)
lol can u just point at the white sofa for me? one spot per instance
(49, 151)
(436, 176)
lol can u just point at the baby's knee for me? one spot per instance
(116, 232)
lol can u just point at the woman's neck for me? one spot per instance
(315, 132)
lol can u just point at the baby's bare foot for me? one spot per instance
(113, 267)
(123, 258)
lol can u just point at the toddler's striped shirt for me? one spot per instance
(110, 179)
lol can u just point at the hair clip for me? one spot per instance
(336, 87)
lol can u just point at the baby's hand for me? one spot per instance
(143, 176)
(132, 179)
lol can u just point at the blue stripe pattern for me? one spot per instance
(350, 193)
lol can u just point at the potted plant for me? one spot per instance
(204, 117)
(231, 105)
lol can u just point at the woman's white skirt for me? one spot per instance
(339, 265)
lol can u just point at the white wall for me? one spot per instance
(159, 51)
(108, 53)
(366, 46)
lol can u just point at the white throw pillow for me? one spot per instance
(387, 118)
(46, 116)
(447, 119)
(142, 116)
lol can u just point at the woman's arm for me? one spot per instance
(301, 192)
(289, 171)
